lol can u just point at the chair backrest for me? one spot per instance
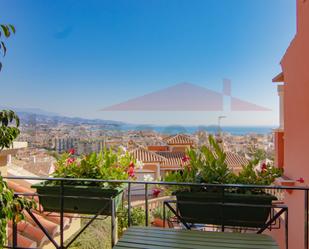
(230, 209)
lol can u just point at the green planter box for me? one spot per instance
(77, 199)
(206, 208)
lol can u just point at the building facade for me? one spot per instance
(291, 138)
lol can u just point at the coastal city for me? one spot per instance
(45, 140)
(154, 124)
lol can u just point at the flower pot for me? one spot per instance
(78, 199)
(288, 183)
(207, 208)
(158, 222)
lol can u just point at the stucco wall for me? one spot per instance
(295, 65)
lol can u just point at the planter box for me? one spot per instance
(207, 208)
(76, 198)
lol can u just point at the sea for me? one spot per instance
(174, 129)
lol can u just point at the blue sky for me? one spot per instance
(76, 57)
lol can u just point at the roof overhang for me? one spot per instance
(279, 78)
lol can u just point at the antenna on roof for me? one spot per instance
(219, 139)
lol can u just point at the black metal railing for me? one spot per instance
(277, 210)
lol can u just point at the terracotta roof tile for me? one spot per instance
(29, 234)
(22, 189)
(233, 160)
(55, 218)
(179, 139)
(173, 159)
(158, 148)
(22, 241)
(146, 156)
(50, 226)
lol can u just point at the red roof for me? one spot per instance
(173, 159)
(234, 160)
(22, 241)
(179, 139)
(29, 234)
(146, 156)
(158, 148)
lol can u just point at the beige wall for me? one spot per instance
(153, 167)
(6, 152)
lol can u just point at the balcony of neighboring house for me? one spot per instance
(186, 221)
(6, 153)
(279, 132)
(29, 234)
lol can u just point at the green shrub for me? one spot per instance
(207, 165)
(105, 165)
(138, 218)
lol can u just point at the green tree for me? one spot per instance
(9, 123)
(5, 32)
(11, 207)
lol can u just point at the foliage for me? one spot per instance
(105, 165)
(138, 218)
(207, 165)
(97, 235)
(265, 176)
(8, 132)
(257, 155)
(11, 207)
(5, 32)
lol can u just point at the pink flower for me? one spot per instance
(131, 172)
(156, 192)
(70, 160)
(301, 180)
(185, 159)
(264, 167)
(71, 151)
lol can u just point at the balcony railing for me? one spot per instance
(279, 211)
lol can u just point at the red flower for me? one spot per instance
(131, 165)
(72, 151)
(301, 180)
(70, 160)
(264, 167)
(185, 159)
(131, 172)
(156, 192)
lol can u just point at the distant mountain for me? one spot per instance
(36, 115)
(29, 110)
